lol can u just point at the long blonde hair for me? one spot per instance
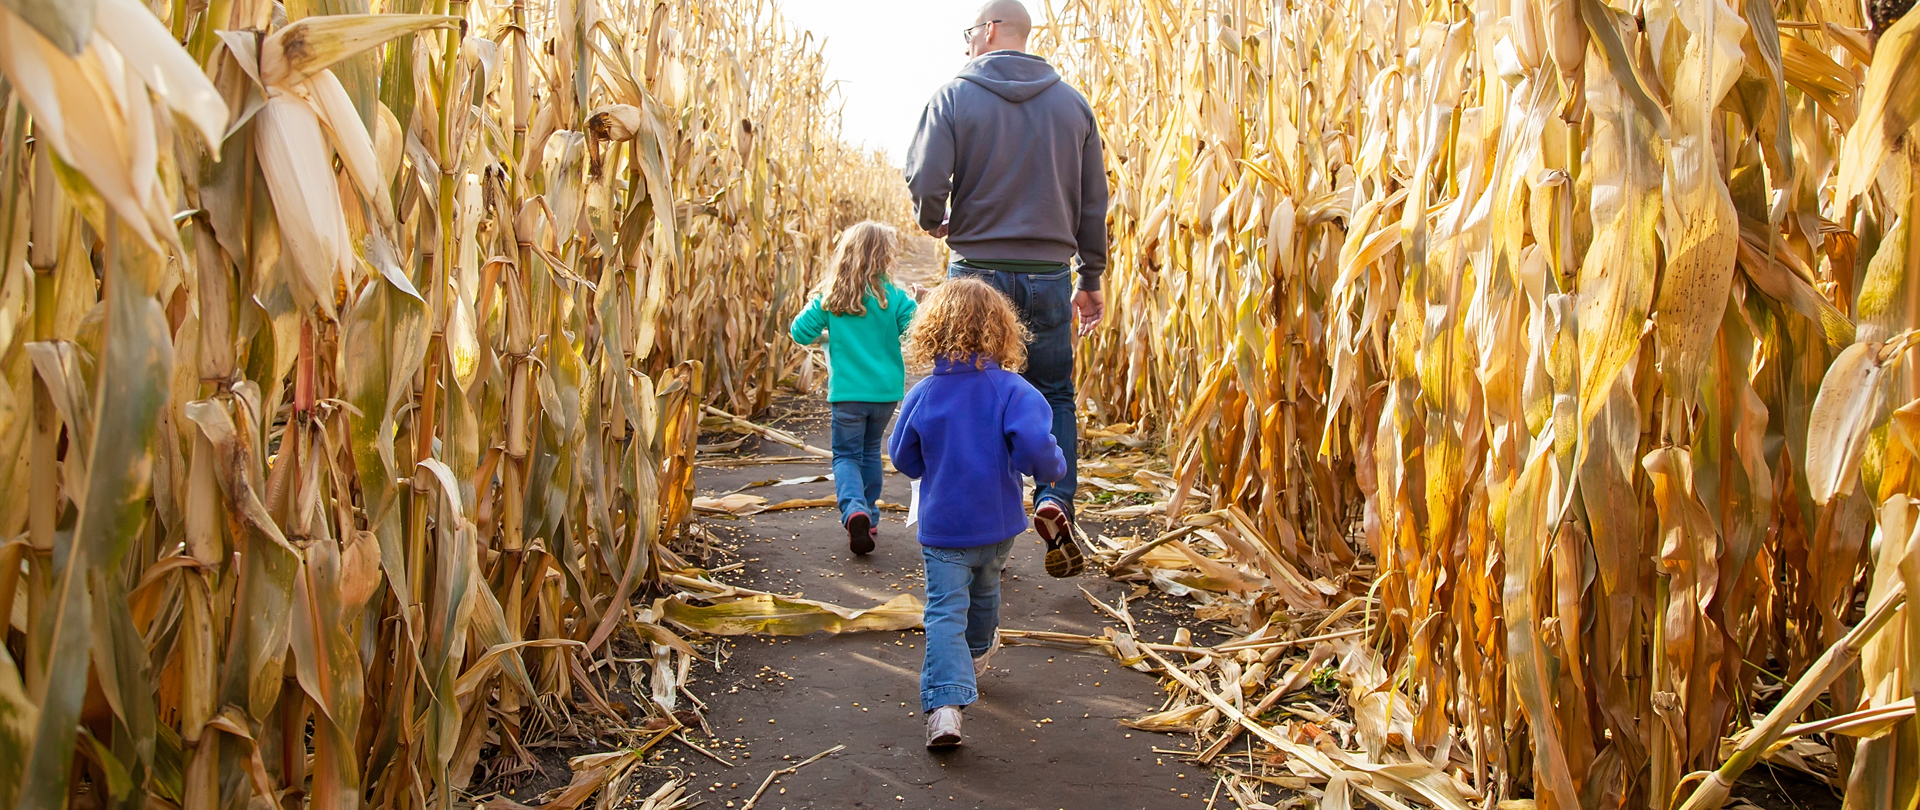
(965, 320)
(863, 261)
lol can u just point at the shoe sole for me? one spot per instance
(860, 534)
(944, 741)
(1064, 558)
(1065, 562)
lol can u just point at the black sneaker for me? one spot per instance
(1064, 558)
(860, 533)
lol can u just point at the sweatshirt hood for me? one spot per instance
(1011, 75)
(964, 365)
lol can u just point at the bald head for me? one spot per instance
(1010, 25)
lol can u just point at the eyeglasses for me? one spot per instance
(968, 34)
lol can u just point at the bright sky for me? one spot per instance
(889, 57)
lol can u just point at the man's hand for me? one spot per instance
(1089, 306)
(940, 232)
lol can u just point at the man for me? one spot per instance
(1013, 153)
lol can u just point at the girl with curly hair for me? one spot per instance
(967, 433)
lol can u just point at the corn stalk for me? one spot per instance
(351, 361)
(1574, 332)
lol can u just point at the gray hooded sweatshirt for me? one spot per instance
(1016, 153)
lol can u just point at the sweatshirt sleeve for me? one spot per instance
(904, 445)
(1092, 231)
(907, 308)
(930, 164)
(807, 327)
(1029, 429)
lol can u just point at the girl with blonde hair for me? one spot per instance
(863, 314)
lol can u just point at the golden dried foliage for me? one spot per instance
(1589, 322)
(351, 360)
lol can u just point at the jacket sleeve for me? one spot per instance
(907, 309)
(809, 324)
(930, 164)
(904, 445)
(1029, 429)
(1092, 231)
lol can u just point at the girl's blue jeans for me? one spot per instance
(859, 428)
(963, 611)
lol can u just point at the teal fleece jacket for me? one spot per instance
(863, 351)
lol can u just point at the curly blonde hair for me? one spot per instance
(965, 319)
(863, 261)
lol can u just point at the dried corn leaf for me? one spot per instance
(65, 23)
(1888, 111)
(149, 50)
(312, 44)
(1701, 224)
(772, 614)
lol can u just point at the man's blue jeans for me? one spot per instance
(1045, 304)
(963, 611)
(859, 428)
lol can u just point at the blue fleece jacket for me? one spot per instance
(969, 434)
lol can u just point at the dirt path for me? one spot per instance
(1044, 735)
(923, 259)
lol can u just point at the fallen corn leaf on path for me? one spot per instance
(1045, 734)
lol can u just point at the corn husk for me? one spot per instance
(1571, 339)
(321, 385)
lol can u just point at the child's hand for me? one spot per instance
(917, 292)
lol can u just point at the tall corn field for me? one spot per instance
(1572, 339)
(351, 361)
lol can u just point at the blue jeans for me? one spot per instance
(963, 611)
(1045, 304)
(859, 428)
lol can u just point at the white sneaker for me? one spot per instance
(980, 665)
(943, 727)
